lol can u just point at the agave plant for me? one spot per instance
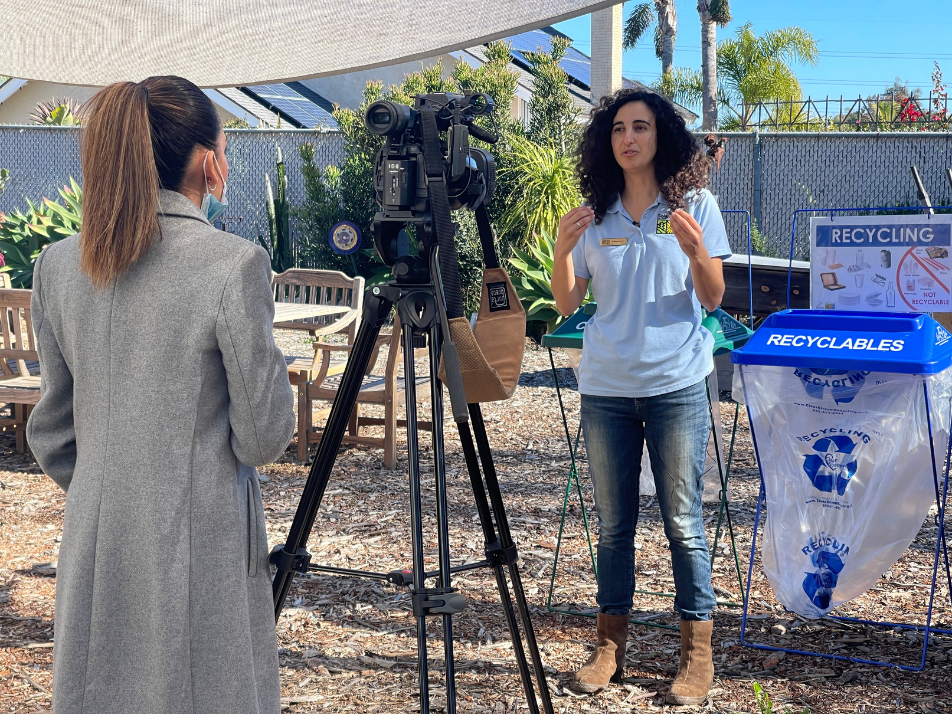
(278, 241)
(58, 112)
(534, 285)
(24, 235)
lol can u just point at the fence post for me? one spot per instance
(755, 202)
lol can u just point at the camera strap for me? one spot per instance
(486, 237)
(440, 205)
(490, 354)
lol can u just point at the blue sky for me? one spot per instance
(864, 46)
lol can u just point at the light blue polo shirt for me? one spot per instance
(646, 337)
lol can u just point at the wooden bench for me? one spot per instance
(387, 391)
(318, 287)
(19, 363)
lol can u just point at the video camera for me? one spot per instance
(416, 154)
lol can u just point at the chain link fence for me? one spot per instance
(771, 175)
(41, 160)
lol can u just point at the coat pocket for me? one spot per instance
(256, 529)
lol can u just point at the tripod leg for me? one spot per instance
(439, 468)
(505, 538)
(416, 511)
(493, 545)
(294, 555)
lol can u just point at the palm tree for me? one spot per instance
(756, 69)
(666, 29)
(713, 13)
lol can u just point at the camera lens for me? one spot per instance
(387, 118)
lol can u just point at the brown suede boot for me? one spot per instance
(608, 660)
(696, 671)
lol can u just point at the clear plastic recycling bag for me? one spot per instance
(847, 466)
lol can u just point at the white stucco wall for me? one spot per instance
(17, 108)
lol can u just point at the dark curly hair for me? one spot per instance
(680, 165)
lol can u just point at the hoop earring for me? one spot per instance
(212, 188)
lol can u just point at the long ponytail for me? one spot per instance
(138, 138)
(120, 183)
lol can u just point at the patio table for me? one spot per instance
(287, 311)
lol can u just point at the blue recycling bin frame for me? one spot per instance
(776, 343)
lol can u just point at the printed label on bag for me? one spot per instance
(498, 296)
(664, 224)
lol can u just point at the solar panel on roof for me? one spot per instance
(576, 65)
(299, 108)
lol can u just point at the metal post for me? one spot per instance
(756, 197)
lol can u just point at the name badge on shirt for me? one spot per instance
(664, 224)
(614, 241)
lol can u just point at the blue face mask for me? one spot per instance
(211, 206)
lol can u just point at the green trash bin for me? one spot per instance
(729, 334)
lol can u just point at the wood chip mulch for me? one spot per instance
(349, 644)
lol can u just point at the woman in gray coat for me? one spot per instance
(162, 390)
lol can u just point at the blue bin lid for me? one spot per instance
(909, 343)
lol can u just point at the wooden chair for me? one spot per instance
(319, 287)
(383, 390)
(19, 363)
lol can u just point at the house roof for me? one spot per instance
(300, 106)
(250, 106)
(525, 79)
(296, 104)
(577, 65)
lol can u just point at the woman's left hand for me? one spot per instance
(689, 233)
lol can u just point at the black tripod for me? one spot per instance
(422, 312)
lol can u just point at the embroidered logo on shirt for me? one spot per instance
(498, 296)
(664, 224)
(614, 241)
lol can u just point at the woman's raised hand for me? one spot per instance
(689, 234)
(571, 227)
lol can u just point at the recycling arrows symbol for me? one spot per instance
(819, 585)
(843, 384)
(833, 464)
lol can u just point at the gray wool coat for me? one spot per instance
(160, 394)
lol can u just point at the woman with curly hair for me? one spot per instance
(649, 242)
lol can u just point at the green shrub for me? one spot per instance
(534, 283)
(534, 175)
(762, 245)
(24, 235)
(58, 112)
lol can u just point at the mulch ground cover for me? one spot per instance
(349, 644)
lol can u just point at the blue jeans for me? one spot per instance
(675, 427)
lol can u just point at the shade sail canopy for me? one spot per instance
(226, 43)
